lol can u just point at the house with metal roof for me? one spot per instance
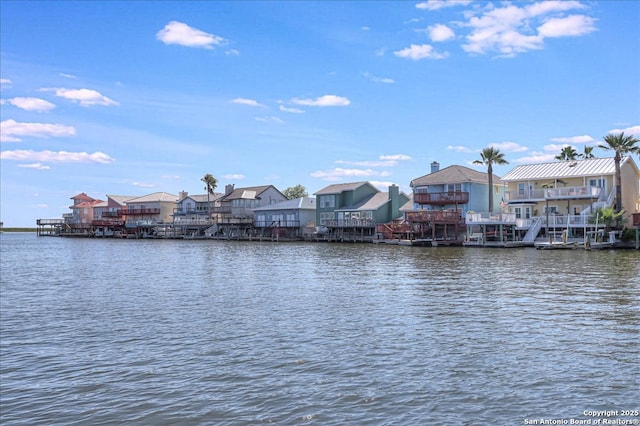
(562, 195)
(352, 210)
(289, 219)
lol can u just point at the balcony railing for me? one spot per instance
(277, 223)
(569, 192)
(441, 198)
(138, 212)
(350, 223)
(111, 214)
(488, 217)
(435, 216)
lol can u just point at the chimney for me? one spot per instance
(435, 166)
(182, 195)
(394, 196)
(229, 189)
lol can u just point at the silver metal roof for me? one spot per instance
(563, 169)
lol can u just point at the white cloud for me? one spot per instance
(13, 131)
(574, 139)
(510, 30)
(536, 157)
(555, 147)
(440, 32)
(423, 51)
(375, 79)
(5, 82)
(570, 26)
(56, 157)
(234, 176)
(270, 119)
(32, 104)
(441, 4)
(395, 157)
(232, 52)
(633, 130)
(244, 101)
(182, 34)
(509, 147)
(323, 101)
(70, 76)
(37, 166)
(460, 148)
(143, 184)
(85, 97)
(365, 28)
(291, 110)
(339, 173)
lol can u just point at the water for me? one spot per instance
(230, 333)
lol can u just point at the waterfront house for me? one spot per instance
(286, 219)
(143, 214)
(233, 212)
(352, 210)
(443, 197)
(109, 216)
(82, 213)
(193, 213)
(562, 196)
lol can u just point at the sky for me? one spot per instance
(131, 98)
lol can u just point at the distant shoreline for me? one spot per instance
(19, 229)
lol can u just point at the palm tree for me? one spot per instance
(211, 184)
(587, 152)
(567, 153)
(491, 156)
(622, 145)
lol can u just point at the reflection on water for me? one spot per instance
(193, 332)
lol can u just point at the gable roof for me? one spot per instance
(82, 197)
(338, 188)
(304, 203)
(247, 193)
(202, 198)
(374, 202)
(454, 174)
(121, 199)
(566, 169)
(155, 197)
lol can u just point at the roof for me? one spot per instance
(121, 199)
(373, 202)
(155, 198)
(90, 203)
(565, 169)
(298, 203)
(453, 174)
(338, 188)
(247, 193)
(202, 198)
(82, 197)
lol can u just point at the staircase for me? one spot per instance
(600, 204)
(533, 231)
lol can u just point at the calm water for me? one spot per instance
(228, 333)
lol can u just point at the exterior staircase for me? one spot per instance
(533, 231)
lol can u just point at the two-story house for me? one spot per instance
(352, 210)
(142, 214)
(233, 213)
(82, 213)
(286, 219)
(549, 198)
(194, 213)
(443, 197)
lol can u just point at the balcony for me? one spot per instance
(441, 198)
(138, 212)
(277, 224)
(542, 194)
(350, 223)
(434, 216)
(484, 218)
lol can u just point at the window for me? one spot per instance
(521, 189)
(324, 217)
(454, 187)
(552, 209)
(518, 212)
(327, 201)
(600, 183)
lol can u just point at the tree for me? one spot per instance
(622, 145)
(587, 152)
(567, 153)
(210, 184)
(294, 192)
(491, 156)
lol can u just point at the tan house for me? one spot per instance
(564, 194)
(152, 209)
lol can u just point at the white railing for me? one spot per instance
(555, 193)
(489, 217)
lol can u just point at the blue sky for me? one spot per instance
(130, 98)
